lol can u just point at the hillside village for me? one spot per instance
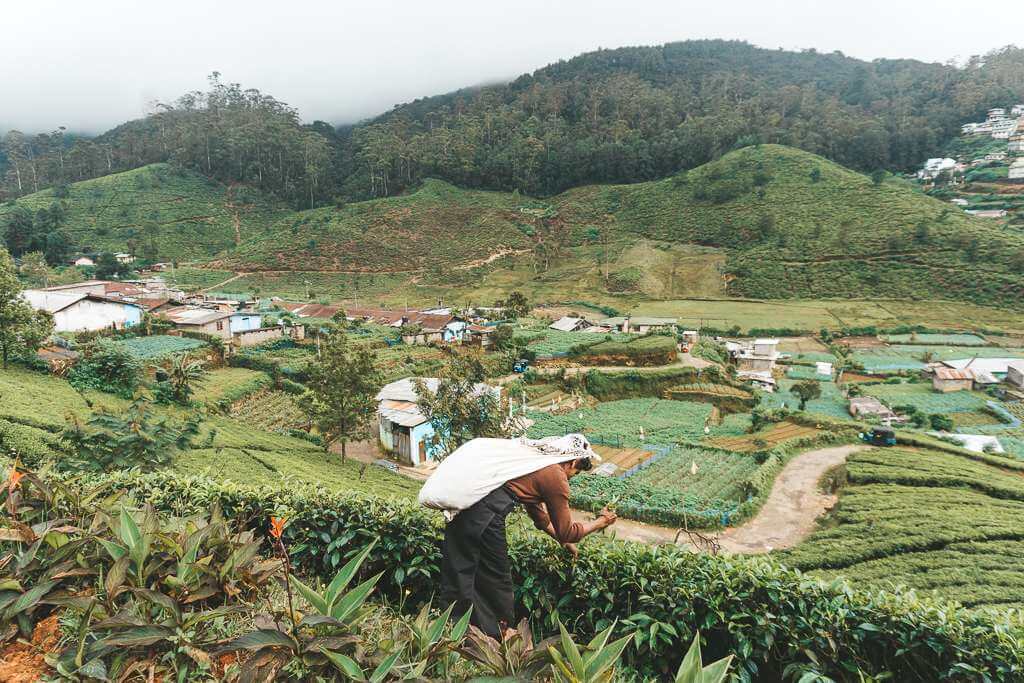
(237, 349)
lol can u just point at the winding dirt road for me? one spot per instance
(787, 517)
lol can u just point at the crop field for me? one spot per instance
(619, 423)
(548, 343)
(924, 398)
(831, 402)
(291, 357)
(229, 384)
(717, 478)
(930, 520)
(708, 389)
(912, 356)
(935, 339)
(269, 410)
(158, 346)
(806, 372)
(776, 435)
(196, 278)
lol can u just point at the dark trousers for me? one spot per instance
(475, 569)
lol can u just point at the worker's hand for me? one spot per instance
(608, 516)
(573, 550)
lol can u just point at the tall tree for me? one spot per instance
(462, 408)
(22, 328)
(343, 383)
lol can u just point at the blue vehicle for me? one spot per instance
(520, 365)
(879, 436)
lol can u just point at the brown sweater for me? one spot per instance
(545, 495)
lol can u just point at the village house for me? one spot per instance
(1015, 374)
(201, 320)
(570, 324)
(870, 407)
(404, 431)
(639, 324)
(83, 261)
(1016, 172)
(75, 311)
(987, 213)
(936, 167)
(479, 335)
(946, 380)
(996, 156)
(124, 258)
(1015, 143)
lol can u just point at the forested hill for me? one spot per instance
(645, 112)
(611, 116)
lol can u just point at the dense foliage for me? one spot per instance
(661, 595)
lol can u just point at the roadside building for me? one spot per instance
(80, 311)
(639, 324)
(570, 324)
(946, 380)
(868, 407)
(201, 320)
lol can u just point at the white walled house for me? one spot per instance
(78, 311)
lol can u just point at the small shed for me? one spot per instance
(824, 369)
(569, 324)
(946, 380)
(1015, 374)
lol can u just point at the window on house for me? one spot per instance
(220, 325)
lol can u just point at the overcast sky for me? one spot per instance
(91, 64)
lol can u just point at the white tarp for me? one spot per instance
(974, 442)
(482, 465)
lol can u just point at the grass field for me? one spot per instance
(184, 213)
(929, 520)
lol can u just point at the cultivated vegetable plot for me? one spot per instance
(912, 357)
(620, 422)
(929, 520)
(718, 475)
(776, 435)
(924, 398)
(158, 346)
(549, 343)
(831, 402)
(936, 339)
(709, 389)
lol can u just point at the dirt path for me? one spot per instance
(788, 516)
(221, 284)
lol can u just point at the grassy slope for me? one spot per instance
(438, 224)
(191, 217)
(238, 452)
(837, 237)
(928, 520)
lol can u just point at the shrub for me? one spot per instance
(106, 366)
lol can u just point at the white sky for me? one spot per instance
(91, 64)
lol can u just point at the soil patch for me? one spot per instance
(23, 662)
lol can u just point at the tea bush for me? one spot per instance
(770, 617)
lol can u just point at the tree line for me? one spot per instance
(609, 116)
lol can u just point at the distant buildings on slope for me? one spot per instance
(997, 124)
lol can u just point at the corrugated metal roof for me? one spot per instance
(566, 324)
(952, 374)
(193, 315)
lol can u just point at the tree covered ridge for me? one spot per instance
(622, 115)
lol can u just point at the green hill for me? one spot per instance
(790, 225)
(187, 215)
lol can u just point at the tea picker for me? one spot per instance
(476, 487)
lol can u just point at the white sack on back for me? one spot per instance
(482, 465)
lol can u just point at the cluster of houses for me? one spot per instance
(627, 324)
(97, 305)
(999, 124)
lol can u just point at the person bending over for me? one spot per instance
(475, 570)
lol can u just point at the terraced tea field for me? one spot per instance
(930, 520)
(269, 410)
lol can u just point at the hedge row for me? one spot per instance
(770, 617)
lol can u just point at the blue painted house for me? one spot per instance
(243, 321)
(404, 431)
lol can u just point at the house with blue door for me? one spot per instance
(405, 433)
